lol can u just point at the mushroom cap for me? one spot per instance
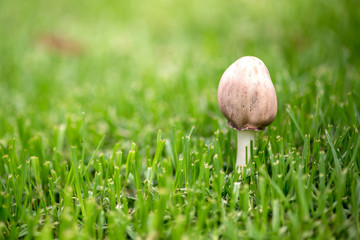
(246, 95)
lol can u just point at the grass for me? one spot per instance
(81, 152)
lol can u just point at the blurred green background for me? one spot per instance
(136, 66)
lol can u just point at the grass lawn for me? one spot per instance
(109, 124)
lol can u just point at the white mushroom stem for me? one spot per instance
(244, 139)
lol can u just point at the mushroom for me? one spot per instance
(247, 98)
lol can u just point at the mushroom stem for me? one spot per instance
(244, 139)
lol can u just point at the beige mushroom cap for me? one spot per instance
(246, 95)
